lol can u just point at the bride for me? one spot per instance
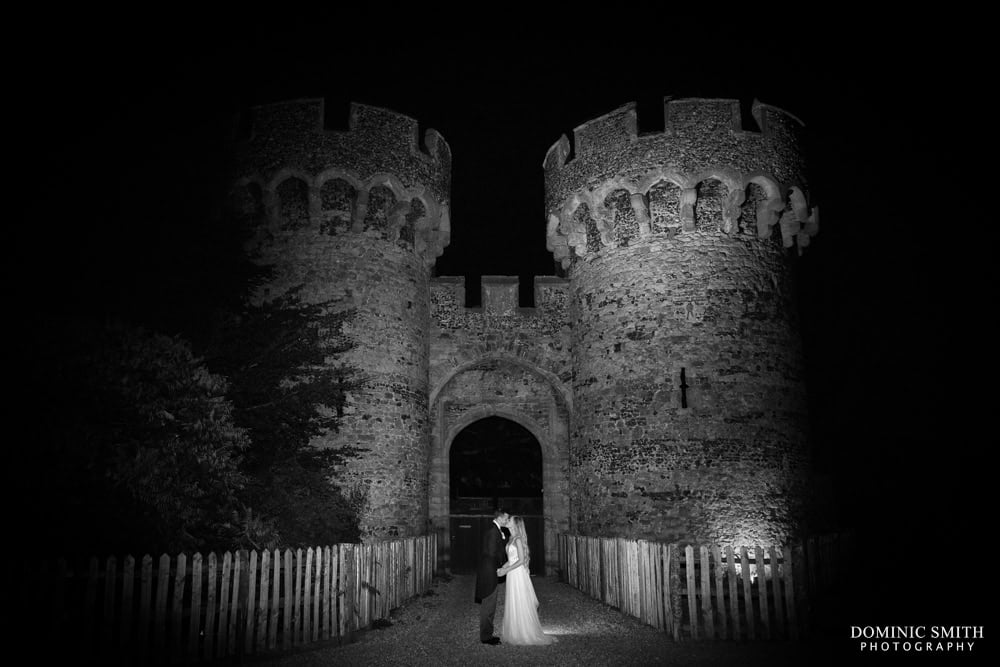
(520, 612)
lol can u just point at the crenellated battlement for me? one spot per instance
(292, 135)
(499, 299)
(700, 135)
(295, 175)
(659, 379)
(620, 187)
(694, 117)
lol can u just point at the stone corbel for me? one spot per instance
(688, 198)
(272, 207)
(641, 207)
(432, 232)
(789, 224)
(798, 203)
(812, 223)
(768, 212)
(731, 211)
(575, 234)
(397, 218)
(809, 229)
(315, 204)
(360, 211)
(604, 219)
(556, 241)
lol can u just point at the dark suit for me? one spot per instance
(492, 555)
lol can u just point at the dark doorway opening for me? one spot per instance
(494, 462)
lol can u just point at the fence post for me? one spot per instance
(734, 598)
(224, 610)
(327, 593)
(794, 592)
(235, 599)
(307, 597)
(108, 616)
(571, 560)
(263, 598)
(691, 591)
(194, 626)
(251, 602)
(765, 621)
(674, 565)
(160, 622)
(177, 609)
(706, 593)
(128, 580)
(272, 624)
(297, 601)
(747, 592)
(656, 581)
(720, 592)
(317, 589)
(351, 587)
(270, 594)
(211, 611)
(666, 608)
(145, 596)
(777, 581)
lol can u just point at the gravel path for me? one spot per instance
(442, 628)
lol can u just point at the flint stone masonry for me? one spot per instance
(725, 468)
(290, 135)
(700, 136)
(677, 247)
(502, 360)
(326, 244)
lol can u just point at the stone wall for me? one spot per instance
(662, 380)
(507, 361)
(676, 244)
(356, 219)
(726, 468)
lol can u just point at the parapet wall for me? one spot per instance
(499, 299)
(291, 135)
(699, 135)
(538, 337)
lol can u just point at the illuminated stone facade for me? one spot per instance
(688, 384)
(677, 248)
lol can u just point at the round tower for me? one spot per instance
(355, 220)
(690, 420)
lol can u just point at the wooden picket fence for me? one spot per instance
(708, 592)
(190, 609)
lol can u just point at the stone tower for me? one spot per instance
(357, 218)
(689, 406)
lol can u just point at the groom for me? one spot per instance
(491, 556)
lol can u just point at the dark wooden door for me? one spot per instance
(465, 534)
(467, 530)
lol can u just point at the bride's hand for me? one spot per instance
(499, 571)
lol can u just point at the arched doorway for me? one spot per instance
(494, 462)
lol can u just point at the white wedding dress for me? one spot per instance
(520, 611)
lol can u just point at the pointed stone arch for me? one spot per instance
(288, 199)
(537, 401)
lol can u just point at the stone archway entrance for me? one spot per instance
(494, 462)
(530, 398)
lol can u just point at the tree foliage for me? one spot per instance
(289, 384)
(135, 446)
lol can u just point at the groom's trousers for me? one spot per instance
(487, 610)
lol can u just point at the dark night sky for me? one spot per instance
(117, 144)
